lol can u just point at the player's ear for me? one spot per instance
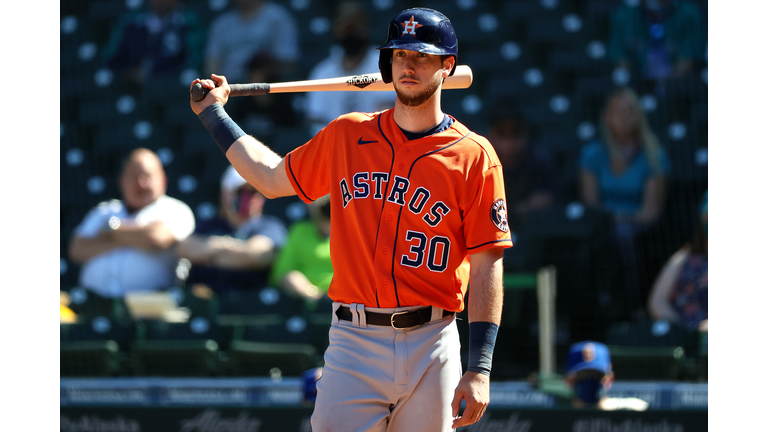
(448, 62)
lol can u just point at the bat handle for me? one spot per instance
(255, 89)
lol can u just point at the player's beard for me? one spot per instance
(416, 100)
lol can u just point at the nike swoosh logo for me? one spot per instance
(361, 142)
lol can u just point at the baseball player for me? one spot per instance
(418, 214)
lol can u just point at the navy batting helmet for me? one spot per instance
(418, 29)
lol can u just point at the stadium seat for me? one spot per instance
(314, 25)
(198, 306)
(576, 60)
(550, 30)
(513, 85)
(647, 350)
(285, 139)
(179, 349)
(106, 10)
(288, 209)
(88, 305)
(594, 85)
(527, 10)
(94, 347)
(689, 160)
(700, 114)
(648, 363)
(567, 221)
(265, 305)
(489, 60)
(177, 114)
(293, 346)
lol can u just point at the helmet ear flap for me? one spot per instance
(385, 65)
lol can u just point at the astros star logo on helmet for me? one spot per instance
(409, 27)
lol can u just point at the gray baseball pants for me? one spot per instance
(379, 378)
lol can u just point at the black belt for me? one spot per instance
(398, 320)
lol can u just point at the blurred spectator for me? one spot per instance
(680, 293)
(261, 115)
(251, 27)
(530, 176)
(352, 54)
(164, 39)
(303, 266)
(625, 175)
(235, 249)
(127, 245)
(659, 38)
(589, 374)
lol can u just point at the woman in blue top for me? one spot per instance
(625, 173)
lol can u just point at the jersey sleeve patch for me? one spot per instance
(499, 215)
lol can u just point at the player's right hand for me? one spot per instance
(218, 92)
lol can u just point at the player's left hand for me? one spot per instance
(474, 388)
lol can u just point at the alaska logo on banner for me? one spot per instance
(211, 420)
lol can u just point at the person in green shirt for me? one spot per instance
(303, 266)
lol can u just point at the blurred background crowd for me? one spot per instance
(171, 264)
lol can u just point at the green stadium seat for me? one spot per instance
(192, 348)
(95, 347)
(648, 363)
(568, 222)
(292, 346)
(198, 306)
(647, 350)
(87, 305)
(257, 306)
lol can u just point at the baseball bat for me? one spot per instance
(461, 79)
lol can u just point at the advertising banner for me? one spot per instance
(296, 419)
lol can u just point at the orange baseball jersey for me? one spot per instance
(405, 215)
